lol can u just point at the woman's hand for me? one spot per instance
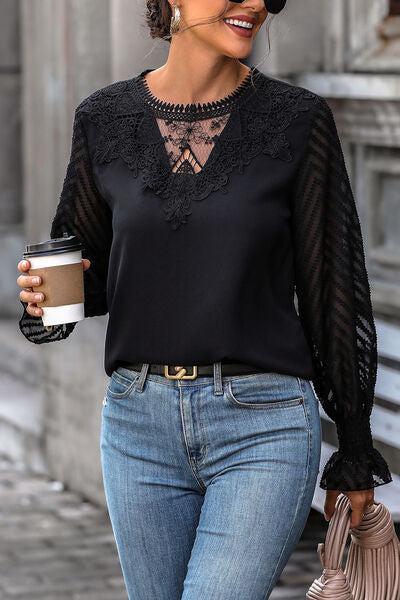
(359, 501)
(26, 282)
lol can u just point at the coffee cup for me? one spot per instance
(58, 262)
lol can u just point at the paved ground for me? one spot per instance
(53, 546)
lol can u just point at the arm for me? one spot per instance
(334, 305)
(83, 212)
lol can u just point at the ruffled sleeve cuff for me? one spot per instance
(37, 333)
(356, 465)
(363, 471)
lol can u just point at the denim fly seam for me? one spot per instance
(186, 418)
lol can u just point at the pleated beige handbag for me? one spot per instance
(372, 570)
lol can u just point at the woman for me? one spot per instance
(205, 193)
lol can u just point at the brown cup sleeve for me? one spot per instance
(61, 284)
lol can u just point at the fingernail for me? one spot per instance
(36, 280)
(24, 263)
(38, 296)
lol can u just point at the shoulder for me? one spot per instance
(275, 86)
(108, 102)
(286, 109)
(284, 101)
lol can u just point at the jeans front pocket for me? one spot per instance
(120, 386)
(265, 390)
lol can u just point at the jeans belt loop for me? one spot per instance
(218, 389)
(142, 377)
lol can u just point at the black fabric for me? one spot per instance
(81, 211)
(205, 223)
(335, 303)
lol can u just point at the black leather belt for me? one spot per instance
(193, 371)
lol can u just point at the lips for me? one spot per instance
(240, 30)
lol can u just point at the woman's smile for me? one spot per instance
(241, 24)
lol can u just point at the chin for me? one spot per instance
(241, 50)
(237, 52)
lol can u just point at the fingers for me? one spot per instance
(330, 501)
(24, 265)
(31, 298)
(357, 515)
(27, 294)
(34, 310)
(27, 282)
(360, 500)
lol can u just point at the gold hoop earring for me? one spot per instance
(175, 20)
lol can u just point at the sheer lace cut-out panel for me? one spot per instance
(189, 144)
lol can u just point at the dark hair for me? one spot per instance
(158, 18)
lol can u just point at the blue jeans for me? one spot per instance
(208, 482)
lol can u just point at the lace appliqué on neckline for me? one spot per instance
(129, 130)
(193, 111)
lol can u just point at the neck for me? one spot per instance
(201, 77)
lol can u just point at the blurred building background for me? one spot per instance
(53, 53)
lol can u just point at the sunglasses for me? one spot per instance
(272, 6)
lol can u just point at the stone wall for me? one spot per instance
(11, 159)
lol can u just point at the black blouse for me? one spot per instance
(202, 221)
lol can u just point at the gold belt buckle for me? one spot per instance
(180, 372)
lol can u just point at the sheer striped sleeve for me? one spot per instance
(81, 211)
(334, 304)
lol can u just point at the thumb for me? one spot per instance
(86, 263)
(330, 501)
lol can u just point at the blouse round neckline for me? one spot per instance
(199, 109)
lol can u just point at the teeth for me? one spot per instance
(244, 24)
